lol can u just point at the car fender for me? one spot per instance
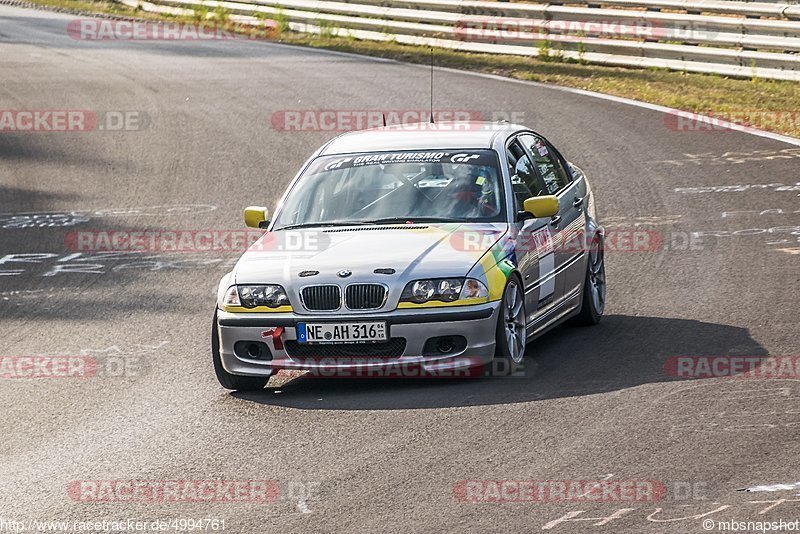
(495, 266)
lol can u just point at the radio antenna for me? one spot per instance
(432, 121)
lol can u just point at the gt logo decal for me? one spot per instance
(463, 158)
(335, 164)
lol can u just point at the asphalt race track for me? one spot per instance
(390, 454)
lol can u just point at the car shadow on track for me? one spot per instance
(621, 352)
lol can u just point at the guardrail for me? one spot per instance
(739, 39)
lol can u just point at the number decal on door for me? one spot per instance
(543, 241)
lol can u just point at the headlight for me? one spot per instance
(271, 296)
(442, 289)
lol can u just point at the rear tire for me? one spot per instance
(593, 300)
(227, 380)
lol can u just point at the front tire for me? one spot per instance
(593, 301)
(511, 335)
(227, 380)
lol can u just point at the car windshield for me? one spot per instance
(425, 186)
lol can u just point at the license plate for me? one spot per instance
(342, 332)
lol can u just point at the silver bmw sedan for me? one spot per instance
(413, 250)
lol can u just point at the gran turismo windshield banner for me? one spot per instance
(471, 157)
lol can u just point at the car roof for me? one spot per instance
(455, 135)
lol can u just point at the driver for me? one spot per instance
(470, 193)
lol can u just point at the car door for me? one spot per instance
(535, 254)
(569, 224)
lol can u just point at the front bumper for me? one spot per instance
(476, 324)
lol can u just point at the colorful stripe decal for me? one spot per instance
(494, 267)
(440, 304)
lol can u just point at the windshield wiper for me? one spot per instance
(385, 220)
(318, 224)
(411, 219)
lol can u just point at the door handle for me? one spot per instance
(578, 202)
(555, 220)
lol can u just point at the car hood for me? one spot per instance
(412, 251)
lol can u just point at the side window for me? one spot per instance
(547, 163)
(524, 181)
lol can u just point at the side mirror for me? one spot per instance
(256, 217)
(545, 206)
